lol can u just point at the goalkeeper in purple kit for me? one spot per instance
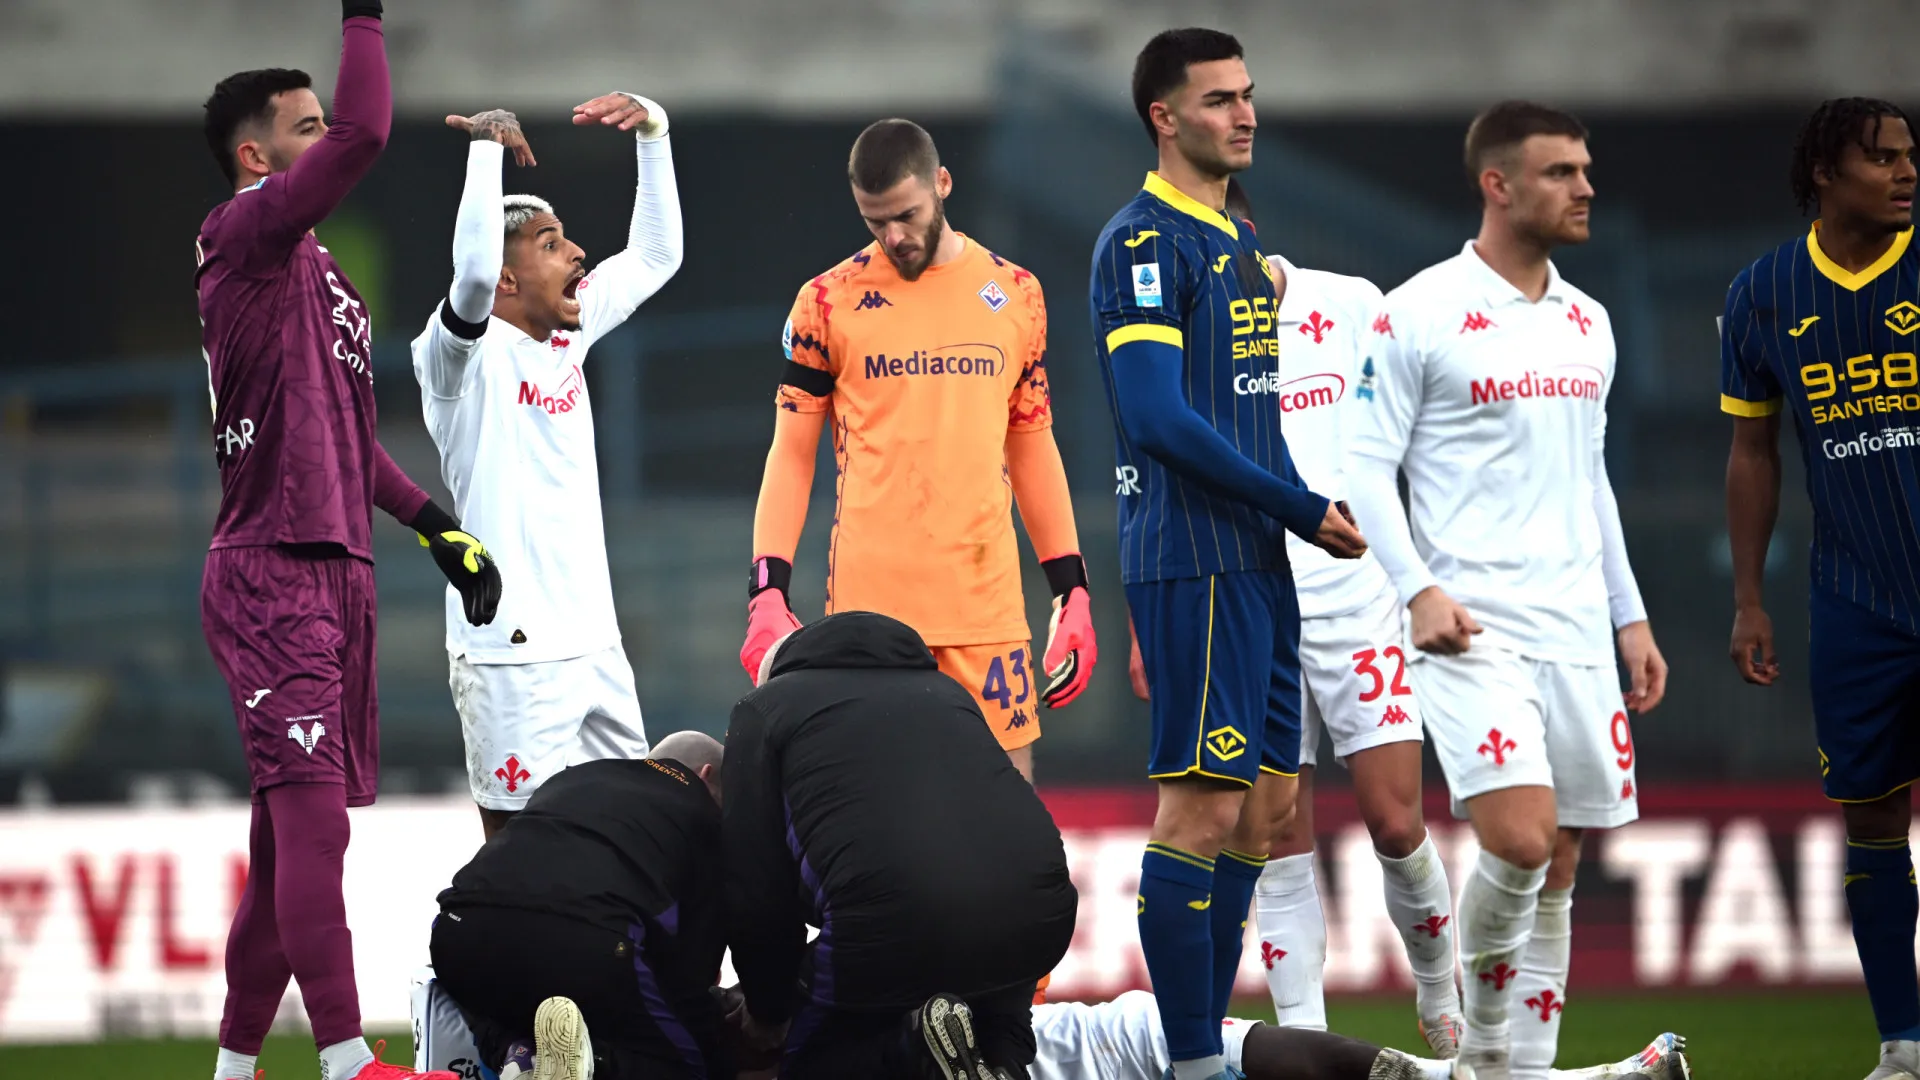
(287, 602)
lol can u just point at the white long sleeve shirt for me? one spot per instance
(514, 423)
(1495, 407)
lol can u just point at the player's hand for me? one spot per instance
(1071, 649)
(768, 620)
(1646, 668)
(1137, 667)
(1440, 624)
(1753, 633)
(464, 559)
(626, 112)
(1338, 535)
(496, 125)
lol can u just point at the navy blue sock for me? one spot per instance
(1176, 935)
(1234, 875)
(1885, 907)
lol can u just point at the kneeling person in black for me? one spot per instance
(866, 797)
(604, 890)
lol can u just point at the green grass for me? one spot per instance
(1735, 1036)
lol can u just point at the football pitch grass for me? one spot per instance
(1737, 1036)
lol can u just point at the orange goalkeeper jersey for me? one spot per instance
(924, 379)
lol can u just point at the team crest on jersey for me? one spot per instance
(994, 295)
(1903, 318)
(1146, 284)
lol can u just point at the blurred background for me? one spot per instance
(108, 697)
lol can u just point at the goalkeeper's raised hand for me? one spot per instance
(1071, 650)
(769, 617)
(464, 559)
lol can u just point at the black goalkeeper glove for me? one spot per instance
(464, 559)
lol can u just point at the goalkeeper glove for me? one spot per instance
(1071, 650)
(769, 618)
(464, 559)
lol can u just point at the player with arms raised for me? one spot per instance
(547, 684)
(1824, 325)
(1184, 320)
(1493, 373)
(929, 353)
(287, 603)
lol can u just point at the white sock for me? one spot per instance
(234, 1066)
(1496, 918)
(1205, 1068)
(344, 1060)
(1421, 907)
(1293, 941)
(1540, 990)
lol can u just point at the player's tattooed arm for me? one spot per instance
(496, 125)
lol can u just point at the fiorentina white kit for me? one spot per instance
(1495, 407)
(547, 683)
(1118, 1040)
(1353, 660)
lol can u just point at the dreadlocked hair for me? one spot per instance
(1825, 136)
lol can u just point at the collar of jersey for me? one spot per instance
(878, 258)
(1847, 279)
(1502, 291)
(1159, 188)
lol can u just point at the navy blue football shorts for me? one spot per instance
(1865, 671)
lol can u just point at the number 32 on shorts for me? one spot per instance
(1364, 666)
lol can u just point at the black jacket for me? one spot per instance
(865, 795)
(612, 843)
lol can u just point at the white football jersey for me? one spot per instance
(1114, 1040)
(1324, 375)
(1495, 408)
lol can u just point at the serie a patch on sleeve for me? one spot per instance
(1146, 285)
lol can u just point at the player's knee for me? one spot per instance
(1879, 819)
(1200, 822)
(1527, 849)
(1397, 833)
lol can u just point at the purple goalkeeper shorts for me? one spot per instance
(293, 635)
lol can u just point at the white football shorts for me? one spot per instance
(1115, 1040)
(524, 722)
(1501, 720)
(1355, 682)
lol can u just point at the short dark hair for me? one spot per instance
(241, 99)
(1826, 134)
(888, 152)
(1238, 205)
(1510, 123)
(1161, 67)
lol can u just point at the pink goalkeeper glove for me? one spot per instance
(1071, 650)
(768, 617)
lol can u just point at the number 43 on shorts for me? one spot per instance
(998, 688)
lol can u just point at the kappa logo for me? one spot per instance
(1500, 975)
(993, 296)
(1903, 318)
(1383, 325)
(1269, 955)
(1626, 788)
(513, 774)
(1394, 715)
(1477, 321)
(871, 300)
(1546, 1005)
(559, 341)
(1802, 328)
(257, 695)
(309, 737)
(1579, 320)
(1317, 327)
(1226, 743)
(1019, 720)
(1497, 747)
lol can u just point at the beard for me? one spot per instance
(929, 242)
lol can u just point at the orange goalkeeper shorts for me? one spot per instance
(1005, 680)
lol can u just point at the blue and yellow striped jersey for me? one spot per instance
(1840, 349)
(1172, 270)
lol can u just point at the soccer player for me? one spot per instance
(1824, 326)
(1353, 671)
(546, 684)
(1184, 317)
(1121, 1040)
(865, 797)
(604, 892)
(1492, 374)
(930, 354)
(287, 602)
